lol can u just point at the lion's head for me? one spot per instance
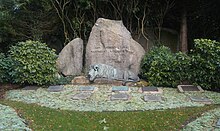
(93, 72)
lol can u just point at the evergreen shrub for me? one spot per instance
(33, 63)
(205, 60)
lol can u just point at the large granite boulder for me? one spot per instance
(111, 43)
(70, 60)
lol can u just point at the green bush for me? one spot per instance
(205, 60)
(161, 67)
(33, 63)
(5, 67)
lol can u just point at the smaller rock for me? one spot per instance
(80, 80)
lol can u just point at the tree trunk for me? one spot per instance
(183, 32)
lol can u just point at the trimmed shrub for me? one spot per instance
(33, 63)
(5, 67)
(205, 60)
(161, 67)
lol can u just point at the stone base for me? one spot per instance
(107, 81)
(80, 80)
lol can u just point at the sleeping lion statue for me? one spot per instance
(111, 73)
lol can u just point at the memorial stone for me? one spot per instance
(111, 43)
(152, 98)
(57, 88)
(119, 96)
(81, 96)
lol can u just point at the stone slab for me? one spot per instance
(149, 88)
(120, 88)
(31, 88)
(185, 88)
(87, 88)
(119, 96)
(218, 123)
(81, 96)
(200, 99)
(56, 88)
(152, 98)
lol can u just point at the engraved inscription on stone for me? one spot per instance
(81, 96)
(30, 88)
(149, 88)
(153, 98)
(120, 88)
(87, 88)
(200, 99)
(119, 96)
(183, 88)
(57, 88)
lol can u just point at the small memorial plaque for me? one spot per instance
(120, 88)
(119, 96)
(30, 88)
(183, 88)
(153, 98)
(87, 88)
(218, 123)
(200, 99)
(81, 96)
(57, 88)
(149, 88)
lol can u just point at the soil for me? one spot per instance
(6, 87)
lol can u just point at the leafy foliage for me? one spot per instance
(163, 68)
(5, 67)
(34, 63)
(61, 80)
(205, 60)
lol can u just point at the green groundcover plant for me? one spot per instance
(33, 63)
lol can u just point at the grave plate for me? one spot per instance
(81, 96)
(120, 88)
(30, 88)
(87, 88)
(119, 96)
(200, 99)
(218, 123)
(183, 88)
(153, 98)
(57, 88)
(149, 88)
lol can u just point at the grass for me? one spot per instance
(43, 118)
